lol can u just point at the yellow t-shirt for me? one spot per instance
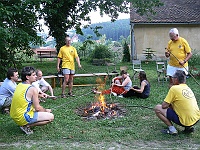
(178, 48)
(21, 108)
(184, 104)
(68, 54)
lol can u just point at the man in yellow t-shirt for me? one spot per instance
(67, 54)
(180, 106)
(179, 52)
(25, 109)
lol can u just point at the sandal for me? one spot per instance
(70, 94)
(63, 96)
(52, 97)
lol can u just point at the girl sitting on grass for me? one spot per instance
(120, 85)
(143, 91)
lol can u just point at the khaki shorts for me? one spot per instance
(68, 71)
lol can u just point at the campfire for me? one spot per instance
(101, 110)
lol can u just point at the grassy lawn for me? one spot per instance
(138, 129)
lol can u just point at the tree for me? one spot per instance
(18, 26)
(126, 53)
(61, 15)
(19, 21)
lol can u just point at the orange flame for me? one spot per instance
(102, 101)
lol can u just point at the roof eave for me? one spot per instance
(193, 23)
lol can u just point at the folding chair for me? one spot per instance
(111, 65)
(125, 68)
(161, 70)
(137, 67)
(112, 73)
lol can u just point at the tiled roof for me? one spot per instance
(173, 11)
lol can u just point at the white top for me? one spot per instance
(40, 83)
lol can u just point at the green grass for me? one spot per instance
(138, 129)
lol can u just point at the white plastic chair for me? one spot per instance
(161, 70)
(137, 67)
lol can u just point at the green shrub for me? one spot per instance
(126, 53)
(101, 52)
(149, 53)
(194, 60)
(194, 64)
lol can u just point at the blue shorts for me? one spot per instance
(34, 119)
(68, 71)
(172, 116)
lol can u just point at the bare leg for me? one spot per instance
(43, 118)
(117, 82)
(40, 123)
(44, 89)
(161, 113)
(66, 78)
(70, 83)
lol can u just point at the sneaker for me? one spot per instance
(121, 96)
(70, 94)
(167, 131)
(94, 90)
(6, 111)
(26, 129)
(114, 94)
(188, 130)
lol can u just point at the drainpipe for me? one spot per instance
(133, 51)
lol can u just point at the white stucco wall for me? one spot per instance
(156, 37)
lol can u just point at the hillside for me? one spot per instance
(112, 30)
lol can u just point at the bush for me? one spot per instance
(194, 64)
(194, 60)
(126, 53)
(101, 52)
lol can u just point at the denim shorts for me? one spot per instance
(34, 119)
(68, 71)
(172, 116)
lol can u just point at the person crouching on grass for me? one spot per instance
(25, 109)
(179, 106)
